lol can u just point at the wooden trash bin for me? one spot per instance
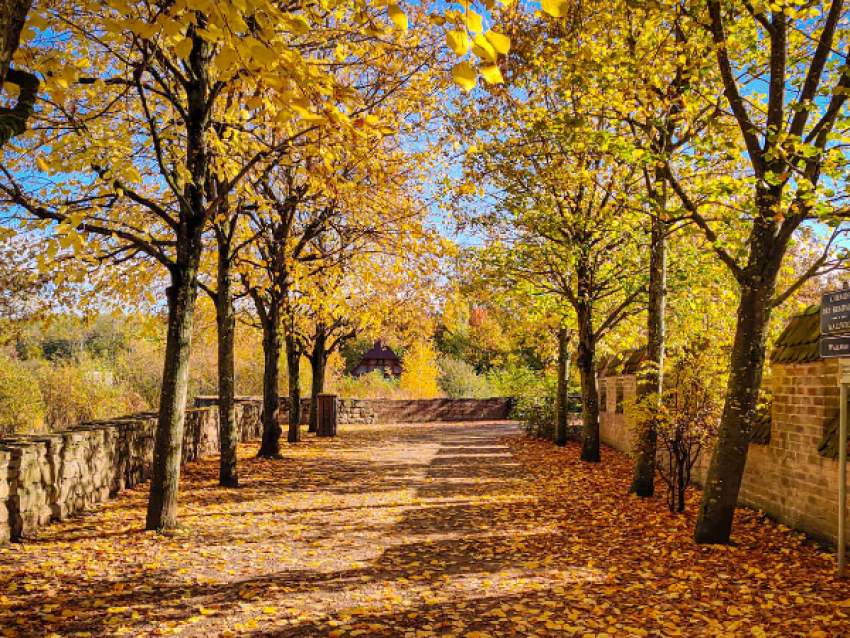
(326, 408)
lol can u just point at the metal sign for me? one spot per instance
(835, 342)
(835, 313)
(835, 346)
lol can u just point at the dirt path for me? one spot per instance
(466, 530)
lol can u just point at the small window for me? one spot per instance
(603, 396)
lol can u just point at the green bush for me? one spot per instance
(21, 403)
(518, 381)
(77, 391)
(368, 386)
(458, 380)
(537, 414)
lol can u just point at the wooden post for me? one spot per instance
(327, 415)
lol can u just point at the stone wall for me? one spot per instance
(55, 476)
(436, 410)
(786, 478)
(399, 410)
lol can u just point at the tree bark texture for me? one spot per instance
(270, 445)
(13, 16)
(182, 294)
(168, 446)
(14, 121)
(586, 362)
(720, 493)
(293, 362)
(563, 375)
(226, 323)
(652, 375)
(318, 365)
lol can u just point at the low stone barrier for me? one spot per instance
(436, 410)
(52, 477)
(55, 476)
(352, 411)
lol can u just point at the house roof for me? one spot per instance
(632, 360)
(800, 341)
(380, 351)
(828, 447)
(626, 362)
(760, 434)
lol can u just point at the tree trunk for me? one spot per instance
(14, 121)
(318, 364)
(652, 381)
(720, 494)
(563, 375)
(293, 361)
(168, 447)
(270, 446)
(14, 15)
(226, 323)
(586, 361)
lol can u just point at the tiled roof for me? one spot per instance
(800, 341)
(614, 363)
(829, 445)
(761, 427)
(380, 351)
(626, 362)
(632, 360)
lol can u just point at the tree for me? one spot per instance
(562, 400)
(562, 189)
(138, 139)
(419, 371)
(789, 140)
(284, 235)
(226, 226)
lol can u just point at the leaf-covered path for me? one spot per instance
(464, 530)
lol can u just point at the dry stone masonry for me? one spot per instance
(55, 476)
(52, 477)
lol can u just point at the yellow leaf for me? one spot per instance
(42, 165)
(501, 43)
(464, 75)
(492, 74)
(298, 24)
(183, 48)
(36, 21)
(484, 49)
(555, 8)
(458, 42)
(398, 17)
(473, 21)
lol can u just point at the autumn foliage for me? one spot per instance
(463, 530)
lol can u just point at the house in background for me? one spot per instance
(380, 357)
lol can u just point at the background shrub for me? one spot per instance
(21, 403)
(458, 380)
